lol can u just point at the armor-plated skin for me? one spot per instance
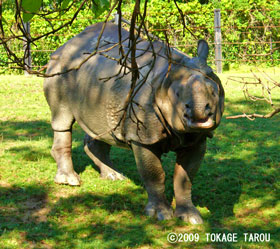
(177, 108)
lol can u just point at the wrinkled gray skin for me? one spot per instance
(178, 109)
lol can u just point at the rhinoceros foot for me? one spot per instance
(110, 174)
(162, 211)
(72, 179)
(189, 214)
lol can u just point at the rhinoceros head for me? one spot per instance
(191, 97)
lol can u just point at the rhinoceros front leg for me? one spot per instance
(99, 153)
(150, 168)
(61, 152)
(187, 164)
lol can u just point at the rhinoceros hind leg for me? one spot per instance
(162, 210)
(61, 152)
(99, 153)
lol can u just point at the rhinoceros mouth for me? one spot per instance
(206, 123)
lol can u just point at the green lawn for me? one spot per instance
(237, 188)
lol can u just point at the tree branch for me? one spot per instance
(254, 116)
(266, 93)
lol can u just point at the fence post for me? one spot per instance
(218, 40)
(26, 47)
(271, 49)
(116, 21)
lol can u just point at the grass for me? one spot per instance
(236, 189)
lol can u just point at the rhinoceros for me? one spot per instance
(177, 103)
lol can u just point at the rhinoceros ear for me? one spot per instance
(220, 108)
(202, 50)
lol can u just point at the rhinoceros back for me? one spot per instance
(96, 92)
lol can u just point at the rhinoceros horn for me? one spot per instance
(202, 52)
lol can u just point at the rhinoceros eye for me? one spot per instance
(213, 89)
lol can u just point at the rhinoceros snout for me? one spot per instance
(198, 113)
(199, 116)
(209, 111)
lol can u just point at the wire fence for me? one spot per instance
(249, 42)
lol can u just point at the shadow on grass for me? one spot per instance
(20, 130)
(29, 153)
(69, 221)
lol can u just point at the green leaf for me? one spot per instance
(4, 20)
(99, 6)
(32, 6)
(65, 4)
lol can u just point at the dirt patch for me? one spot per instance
(4, 184)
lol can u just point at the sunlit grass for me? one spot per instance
(236, 189)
